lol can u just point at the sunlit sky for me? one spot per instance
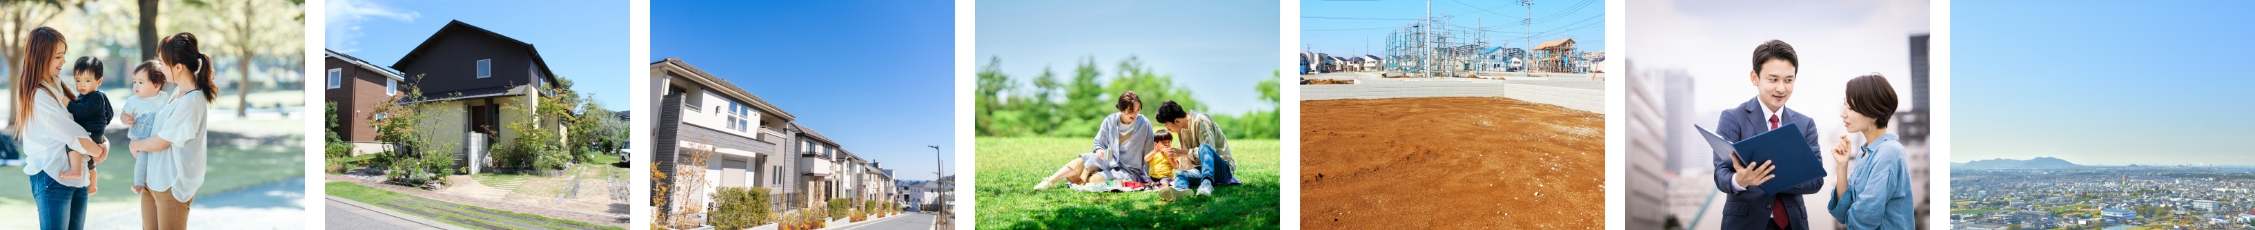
(877, 78)
(2106, 83)
(1219, 49)
(584, 41)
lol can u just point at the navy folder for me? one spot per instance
(1787, 149)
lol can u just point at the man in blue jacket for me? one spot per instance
(1748, 206)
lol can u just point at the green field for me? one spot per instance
(1009, 167)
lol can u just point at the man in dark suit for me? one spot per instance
(1747, 207)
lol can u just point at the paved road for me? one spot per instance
(904, 221)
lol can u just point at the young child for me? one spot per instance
(91, 111)
(147, 85)
(1160, 159)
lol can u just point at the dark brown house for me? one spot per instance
(472, 75)
(356, 87)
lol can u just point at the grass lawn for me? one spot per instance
(451, 213)
(1009, 167)
(227, 167)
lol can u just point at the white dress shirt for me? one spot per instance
(48, 135)
(179, 168)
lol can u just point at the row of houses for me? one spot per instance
(467, 76)
(756, 144)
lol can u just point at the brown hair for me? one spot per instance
(1161, 135)
(149, 68)
(34, 72)
(1128, 99)
(1871, 96)
(180, 49)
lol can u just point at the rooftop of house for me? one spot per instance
(363, 64)
(702, 77)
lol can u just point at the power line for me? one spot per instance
(1577, 7)
(1355, 18)
(1373, 28)
(1484, 9)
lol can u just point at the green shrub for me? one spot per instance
(741, 208)
(838, 207)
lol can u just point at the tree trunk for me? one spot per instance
(243, 91)
(149, 29)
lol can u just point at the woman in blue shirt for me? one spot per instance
(1874, 190)
(1117, 152)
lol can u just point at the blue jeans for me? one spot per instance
(60, 207)
(1210, 167)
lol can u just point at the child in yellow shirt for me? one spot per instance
(1163, 158)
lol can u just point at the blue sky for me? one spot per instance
(1219, 49)
(2103, 82)
(876, 77)
(585, 41)
(1368, 22)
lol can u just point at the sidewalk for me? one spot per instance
(346, 214)
(248, 208)
(605, 218)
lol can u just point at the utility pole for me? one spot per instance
(1425, 68)
(1528, 37)
(940, 172)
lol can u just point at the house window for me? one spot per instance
(778, 175)
(485, 68)
(391, 87)
(336, 78)
(737, 116)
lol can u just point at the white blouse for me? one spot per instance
(179, 168)
(50, 134)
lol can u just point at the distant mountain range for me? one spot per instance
(2037, 163)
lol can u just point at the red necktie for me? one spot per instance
(1773, 121)
(1777, 209)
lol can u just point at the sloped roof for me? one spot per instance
(702, 77)
(363, 64)
(473, 93)
(1552, 44)
(457, 26)
(803, 130)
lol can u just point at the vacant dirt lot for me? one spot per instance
(1451, 163)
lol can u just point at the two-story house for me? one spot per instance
(469, 75)
(818, 167)
(697, 110)
(357, 87)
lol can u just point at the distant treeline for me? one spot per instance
(1071, 107)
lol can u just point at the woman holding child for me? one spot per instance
(56, 147)
(175, 148)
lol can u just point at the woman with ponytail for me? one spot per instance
(48, 133)
(176, 154)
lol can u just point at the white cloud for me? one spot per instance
(344, 17)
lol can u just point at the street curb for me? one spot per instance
(397, 219)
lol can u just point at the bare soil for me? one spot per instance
(1450, 163)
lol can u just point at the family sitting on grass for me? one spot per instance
(1113, 163)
